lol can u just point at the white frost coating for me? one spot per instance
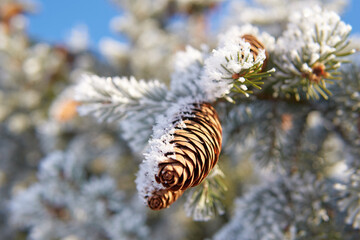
(276, 208)
(137, 129)
(313, 35)
(349, 192)
(86, 200)
(187, 67)
(98, 187)
(306, 23)
(47, 133)
(93, 87)
(236, 32)
(114, 98)
(160, 144)
(50, 167)
(136, 103)
(231, 58)
(26, 209)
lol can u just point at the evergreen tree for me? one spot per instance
(216, 119)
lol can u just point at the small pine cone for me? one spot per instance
(197, 146)
(163, 199)
(9, 10)
(256, 46)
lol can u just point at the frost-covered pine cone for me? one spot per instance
(197, 145)
(184, 149)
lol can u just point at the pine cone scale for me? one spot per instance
(201, 124)
(189, 148)
(178, 156)
(188, 135)
(201, 133)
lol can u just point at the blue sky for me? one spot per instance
(56, 18)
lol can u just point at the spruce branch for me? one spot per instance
(135, 104)
(283, 208)
(309, 53)
(68, 199)
(344, 116)
(206, 200)
(350, 198)
(110, 99)
(347, 91)
(273, 130)
(85, 190)
(187, 69)
(236, 65)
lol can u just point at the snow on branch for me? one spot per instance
(309, 53)
(109, 99)
(350, 199)
(187, 70)
(69, 200)
(282, 208)
(236, 65)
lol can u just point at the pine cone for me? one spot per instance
(256, 46)
(9, 10)
(163, 199)
(196, 149)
